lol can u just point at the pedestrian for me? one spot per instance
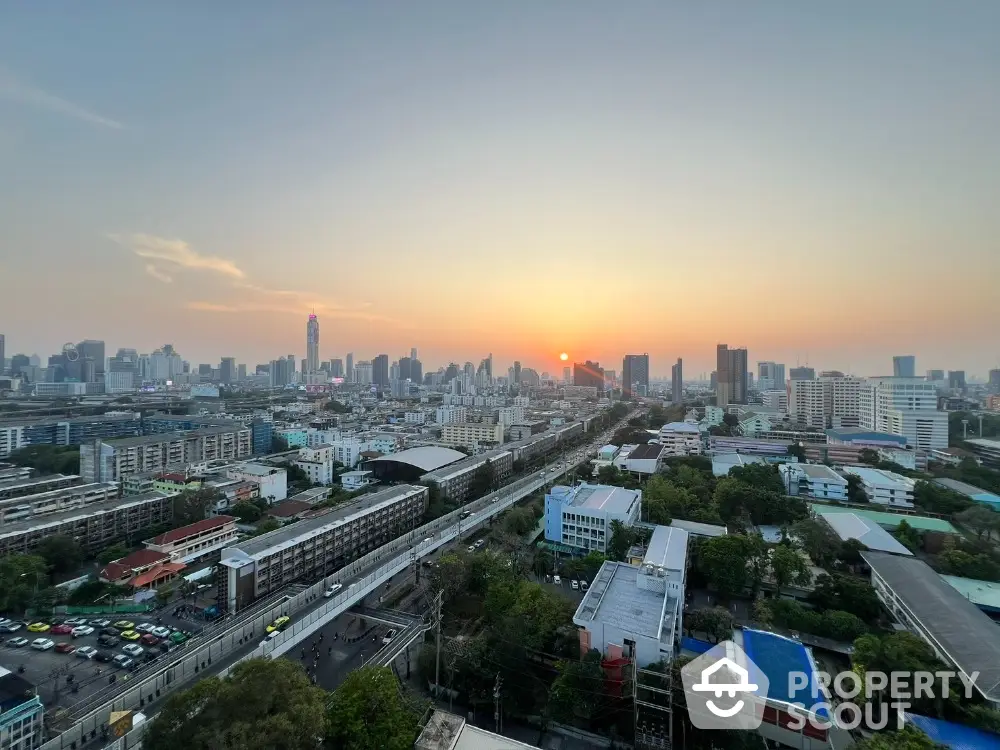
(329, 651)
(303, 654)
(320, 637)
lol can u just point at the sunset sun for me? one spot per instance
(564, 356)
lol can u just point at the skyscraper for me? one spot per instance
(89, 348)
(227, 370)
(566, 375)
(635, 375)
(312, 344)
(336, 368)
(3, 354)
(349, 367)
(802, 373)
(380, 371)
(731, 375)
(588, 374)
(413, 352)
(517, 373)
(994, 381)
(404, 368)
(770, 376)
(904, 366)
(241, 372)
(935, 375)
(677, 382)
(956, 379)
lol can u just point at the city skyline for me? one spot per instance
(583, 149)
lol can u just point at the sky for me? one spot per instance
(815, 182)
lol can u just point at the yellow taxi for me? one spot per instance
(124, 624)
(39, 627)
(131, 635)
(280, 624)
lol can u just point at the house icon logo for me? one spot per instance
(724, 689)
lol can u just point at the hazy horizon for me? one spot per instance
(813, 183)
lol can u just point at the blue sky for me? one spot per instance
(527, 177)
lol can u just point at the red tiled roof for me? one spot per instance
(289, 508)
(173, 477)
(142, 558)
(156, 572)
(198, 527)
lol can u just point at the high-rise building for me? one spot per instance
(770, 376)
(227, 370)
(588, 374)
(282, 372)
(413, 352)
(363, 373)
(404, 368)
(994, 381)
(312, 344)
(91, 349)
(416, 371)
(3, 353)
(380, 371)
(517, 373)
(956, 380)
(907, 407)
(349, 368)
(802, 373)
(635, 375)
(677, 382)
(566, 375)
(832, 400)
(935, 376)
(904, 366)
(241, 372)
(19, 364)
(731, 376)
(336, 368)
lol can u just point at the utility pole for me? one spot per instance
(496, 702)
(437, 661)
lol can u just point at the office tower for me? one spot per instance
(566, 376)
(336, 368)
(731, 376)
(282, 372)
(832, 400)
(241, 372)
(227, 370)
(394, 371)
(935, 376)
(312, 344)
(349, 367)
(88, 371)
(19, 364)
(380, 371)
(770, 376)
(906, 407)
(588, 374)
(91, 349)
(3, 353)
(489, 367)
(677, 382)
(904, 366)
(802, 373)
(413, 352)
(517, 373)
(956, 380)
(635, 375)
(205, 371)
(363, 373)
(416, 371)
(994, 381)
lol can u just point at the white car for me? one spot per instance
(575, 585)
(43, 644)
(75, 621)
(388, 637)
(16, 642)
(333, 590)
(557, 580)
(81, 630)
(480, 543)
(100, 623)
(132, 649)
(161, 632)
(472, 548)
(86, 652)
(145, 627)
(123, 661)
(5, 621)
(583, 585)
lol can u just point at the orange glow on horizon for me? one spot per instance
(564, 356)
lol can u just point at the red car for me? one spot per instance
(61, 629)
(149, 640)
(65, 648)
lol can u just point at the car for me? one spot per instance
(86, 652)
(65, 648)
(575, 585)
(5, 621)
(388, 637)
(557, 580)
(104, 656)
(16, 642)
(151, 656)
(280, 624)
(583, 585)
(131, 635)
(333, 589)
(110, 631)
(61, 629)
(480, 543)
(165, 646)
(11, 627)
(124, 624)
(177, 637)
(43, 644)
(100, 623)
(270, 637)
(161, 632)
(108, 641)
(39, 627)
(123, 661)
(75, 621)
(149, 639)
(145, 627)
(132, 649)
(81, 630)
(472, 548)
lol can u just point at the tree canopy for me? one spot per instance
(48, 459)
(733, 562)
(60, 552)
(368, 711)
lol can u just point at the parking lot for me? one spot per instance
(63, 679)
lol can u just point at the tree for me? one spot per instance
(246, 512)
(609, 475)
(855, 490)
(715, 622)
(192, 505)
(163, 595)
(60, 552)
(730, 420)
(907, 738)
(846, 593)
(909, 537)
(267, 526)
(112, 553)
(577, 693)
(368, 711)
(787, 566)
(762, 476)
(450, 574)
(981, 520)
(519, 520)
(869, 456)
(261, 704)
(850, 551)
(48, 459)
(622, 539)
(937, 499)
(20, 577)
(731, 563)
(817, 540)
(483, 480)
(797, 450)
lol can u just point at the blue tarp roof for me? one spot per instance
(777, 657)
(695, 646)
(956, 736)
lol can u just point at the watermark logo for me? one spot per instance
(720, 692)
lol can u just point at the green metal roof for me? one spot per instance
(981, 593)
(889, 520)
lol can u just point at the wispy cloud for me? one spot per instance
(15, 89)
(280, 308)
(176, 253)
(157, 274)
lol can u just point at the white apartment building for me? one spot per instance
(472, 434)
(451, 414)
(884, 487)
(806, 402)
(415, 417)
(522, 401)
(510, 415)
(907, 407)
(842, 400)
(775, 400)
(348, 450)
(813, 480)
(680, 439)
(271, 480)
(11, 439)
(363, 373)
(119, 382)
(581, 516)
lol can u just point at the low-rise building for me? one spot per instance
(272, 480)
(22, 714)
(316, 546)
(976, 494)
(581, 516)
(191, 542)
(723, 463)
(356, 480)
(813, 480)
(317, 464)
(638, 608)
(644, 459)
(54, 501)
(987, 450)
(21, 486)
(681, 439)
(884, 487)
(450, 414)
(142, 569)
(454, 481)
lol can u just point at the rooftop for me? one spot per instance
(699, 529)
(777, 657)
(289, 536)
(821, 473)
(289, 509)
(646, 452)
(878, 476)
(984, 594)
(66, 493)
(950, 734)
(258, 470)
(163, 437)
(888, 520)
(681, 427)
(667, 548)
(139, 559)
(88, 511)
(856, 433)
(615, 598)
(866, 531)
(471, 462)
(425, 458)
(14, 690)
(599, 497)
(960, 629)
(18, 483)
(970, 491)
(198, 527)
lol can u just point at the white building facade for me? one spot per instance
(680, 439)
(884, 487)
(907, 407)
